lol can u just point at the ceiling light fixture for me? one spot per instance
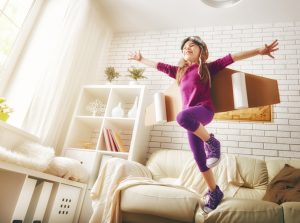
(221, 3)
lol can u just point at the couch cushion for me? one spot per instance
(246, 211)
(291, 212)
(163, 201)
(168, 163)
(253, 171)
(274, 166)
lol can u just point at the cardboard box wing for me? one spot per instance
(261, 91)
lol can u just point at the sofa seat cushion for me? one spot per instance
(163, 201)
(146, 218)
(291, 212)
(246, 211)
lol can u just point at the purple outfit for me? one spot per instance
(197, 105)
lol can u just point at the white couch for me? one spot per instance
(162, 204)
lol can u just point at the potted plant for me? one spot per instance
(136, 73)
(4, 110)
(111, 74)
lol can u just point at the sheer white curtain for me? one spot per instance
(68, 56)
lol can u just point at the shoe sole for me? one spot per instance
(207, 210)
(214, 164)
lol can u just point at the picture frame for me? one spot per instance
(256, 114)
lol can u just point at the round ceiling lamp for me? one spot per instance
(221, 3)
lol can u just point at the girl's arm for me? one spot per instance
(265, 50)
(166, 68)
(138, 57)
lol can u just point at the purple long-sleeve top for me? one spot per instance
(193, 90)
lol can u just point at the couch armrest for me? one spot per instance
(115, 171)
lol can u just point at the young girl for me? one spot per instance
(193, 74)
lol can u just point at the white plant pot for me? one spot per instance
(133, 82)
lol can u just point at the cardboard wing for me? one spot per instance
(261, 91)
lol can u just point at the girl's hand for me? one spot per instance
(268, 49)
(135, 56)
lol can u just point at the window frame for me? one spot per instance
(20, 43)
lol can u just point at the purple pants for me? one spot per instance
(190, 119)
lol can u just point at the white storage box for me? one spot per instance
(62, 204)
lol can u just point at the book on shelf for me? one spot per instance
(107, 140)
(119, 142)
(113, 141)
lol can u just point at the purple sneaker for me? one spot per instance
(214, 199)
(213, 153)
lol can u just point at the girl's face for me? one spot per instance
(191, 52)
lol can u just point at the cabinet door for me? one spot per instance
(86, 158)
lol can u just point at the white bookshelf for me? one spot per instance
(85, 139)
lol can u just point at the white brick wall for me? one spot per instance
(281, 138)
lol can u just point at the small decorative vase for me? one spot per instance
(132, 112)
(4, 116)
(133, 82)
(117, 111)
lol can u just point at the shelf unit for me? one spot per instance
(33, 196)
(29, 194)
(85, 138)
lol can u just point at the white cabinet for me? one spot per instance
(62, 204)
(28, 195)
(86, 140)
(31, 196)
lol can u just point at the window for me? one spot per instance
(13, 13)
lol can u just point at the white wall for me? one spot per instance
(281, 138)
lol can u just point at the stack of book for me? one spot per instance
(113, 141)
